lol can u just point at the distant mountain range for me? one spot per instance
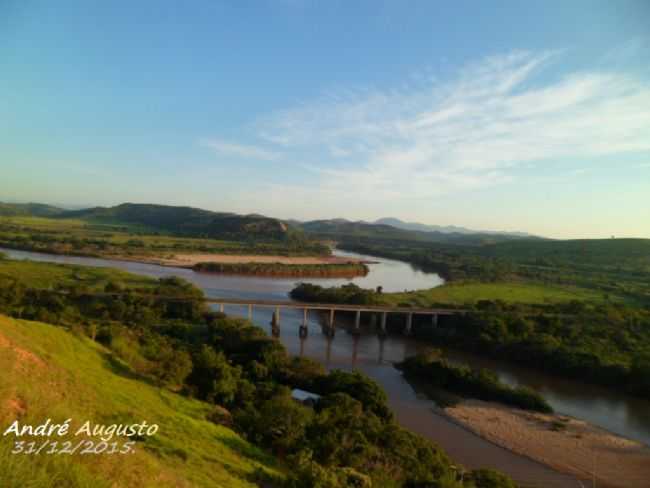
(196, 222)
(342, 229)
(447, 229)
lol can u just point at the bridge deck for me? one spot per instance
(335, 306)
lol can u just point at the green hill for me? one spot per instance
(50, 373)
(185, 221)
(607, 252)
(28, 209)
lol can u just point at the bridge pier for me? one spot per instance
(221, 307)
(303, 330)
(329, 329)
(434, 319)
(250, 311)
(409, 324)
(275, 322)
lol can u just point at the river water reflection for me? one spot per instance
(621, 414)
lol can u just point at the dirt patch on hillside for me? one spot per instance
(23, 357)
(15, 408)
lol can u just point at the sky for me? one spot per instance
(518, 116)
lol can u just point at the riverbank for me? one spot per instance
(563, 443)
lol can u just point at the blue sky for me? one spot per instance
(530, 116)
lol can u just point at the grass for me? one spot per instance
(54, 374)
(467, 293)
(49, 275)
(75, 236)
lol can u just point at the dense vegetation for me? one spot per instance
(349, 293)
(163, 332)
(346, 270)
(482, 384)
(612, 268)
(602, 343)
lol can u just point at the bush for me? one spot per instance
(489, 478)
(482, 384)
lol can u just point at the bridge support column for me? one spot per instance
(357, 322)
(275, 322)
(303, 331)
(382, 327)
(409, 324)
(250, 311)
(434, 319)
(221, 307)
(330, 325)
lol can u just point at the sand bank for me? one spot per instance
(565, 444)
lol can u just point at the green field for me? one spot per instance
(51, 275)
(71, 377)
(469, 293)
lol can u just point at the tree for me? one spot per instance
(213, 378)
(489, 478)
(283, 421)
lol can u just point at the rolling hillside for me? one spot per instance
(28, 209)
(50, 373)
(186, 221)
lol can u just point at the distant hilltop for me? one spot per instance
(447, 229)
(196, 222)
(183, 221)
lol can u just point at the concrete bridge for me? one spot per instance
(331, 309)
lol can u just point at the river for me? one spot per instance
(621, 414)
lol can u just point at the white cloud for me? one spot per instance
(240, 150)
(471, 132)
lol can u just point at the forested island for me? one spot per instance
(330, 270)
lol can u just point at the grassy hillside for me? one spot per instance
(470, 293)
(185, 221)
(111, 239)
(29, 209)
(49, 373)
(51, 275)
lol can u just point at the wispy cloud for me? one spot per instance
(239, 150)
(495, 116)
